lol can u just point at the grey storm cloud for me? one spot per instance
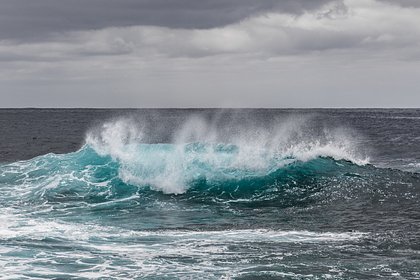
(189, 53)
(51, 30)
(29, 19)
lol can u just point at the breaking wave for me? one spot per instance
(199, 153)
(221, 197)
(199, 156)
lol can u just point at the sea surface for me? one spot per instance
(210, 194)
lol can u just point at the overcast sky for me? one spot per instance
(215, 53)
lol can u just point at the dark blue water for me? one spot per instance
(209, 194)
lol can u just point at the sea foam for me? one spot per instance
(216, 151)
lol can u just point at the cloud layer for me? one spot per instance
(350, 25)
(31, 20)
(169, 41)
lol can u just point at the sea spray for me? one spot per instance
(200, 152)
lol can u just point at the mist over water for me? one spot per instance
(226, 194)
(221, 149)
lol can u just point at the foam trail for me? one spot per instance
(17, 226)
(146, 252)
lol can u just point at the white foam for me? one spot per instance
(19, 225)
(114, 139)
(259, 150)
(101, 249)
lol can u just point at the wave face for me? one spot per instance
(114, 155)
(167, 168)
(211, 202)
(195, 157)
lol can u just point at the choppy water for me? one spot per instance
(210, 194)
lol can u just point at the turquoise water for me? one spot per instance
(252, 208)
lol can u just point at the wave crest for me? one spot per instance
(203, 151)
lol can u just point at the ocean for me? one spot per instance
(210, 194)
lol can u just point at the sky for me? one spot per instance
(215, 53)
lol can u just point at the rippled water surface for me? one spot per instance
(210, 194)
